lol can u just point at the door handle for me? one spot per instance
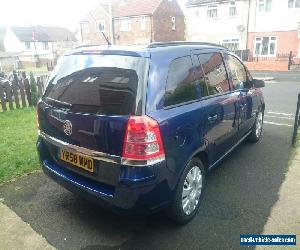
(212, 118)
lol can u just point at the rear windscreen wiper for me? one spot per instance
(66, 104)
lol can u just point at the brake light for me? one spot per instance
(142, 142)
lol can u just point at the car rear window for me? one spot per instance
(97, 84)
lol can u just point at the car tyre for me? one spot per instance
(257, 128)
(189, 192)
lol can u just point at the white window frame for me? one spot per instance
(45, 45)
(173, 22)
(86, 27)
(258, 40)
(211, 8)
(143, 22)
(125, 24)
(100, 23)
(27, 45)
(232, 4)
(264, 4)
(230, 42)
(294, 4)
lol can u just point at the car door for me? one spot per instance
(240, 84)
(219, 104)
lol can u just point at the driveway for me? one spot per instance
(238, 200)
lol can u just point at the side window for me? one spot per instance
(236, 71)
(201, 80)
(215, 74)
(181, 86)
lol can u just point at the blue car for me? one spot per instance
(136, 129)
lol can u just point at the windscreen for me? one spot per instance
(97, 84)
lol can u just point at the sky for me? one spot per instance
(65, 13)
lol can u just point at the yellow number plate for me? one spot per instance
(80, 161)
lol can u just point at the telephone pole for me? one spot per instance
(111, 23)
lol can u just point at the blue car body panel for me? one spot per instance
(187, 130)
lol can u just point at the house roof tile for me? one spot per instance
(135, 7)
(43, 34)
(198, 2)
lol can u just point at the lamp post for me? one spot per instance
(110, 17)
(36, 57)
(112, 37)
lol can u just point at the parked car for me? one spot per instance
(136, 129)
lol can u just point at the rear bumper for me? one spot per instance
(139, 190)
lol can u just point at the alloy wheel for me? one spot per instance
(259, 124)
(192, 189)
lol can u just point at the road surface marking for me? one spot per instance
(279, 117)
(278, 113)
(278, 124)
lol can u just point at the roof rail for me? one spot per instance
(87, 46)
(166, 44)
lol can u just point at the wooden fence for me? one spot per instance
(16, 92)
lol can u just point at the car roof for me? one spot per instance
(142, 50)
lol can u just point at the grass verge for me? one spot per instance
(18, 134)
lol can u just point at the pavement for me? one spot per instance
(285, 213)
(254, 191)
(287, 76)
(16, 234)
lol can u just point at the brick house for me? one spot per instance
(274, 32)
(134, 22)
(265, 30)
(279, 36)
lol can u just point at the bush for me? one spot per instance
(33, 89)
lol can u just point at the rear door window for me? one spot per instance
(215, 74)
(97, 84)
(181, 86)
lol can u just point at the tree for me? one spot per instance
(33, 89)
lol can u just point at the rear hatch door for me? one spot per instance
(89, 99)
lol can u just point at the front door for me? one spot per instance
(239, 83)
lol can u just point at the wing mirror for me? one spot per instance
(258, 83)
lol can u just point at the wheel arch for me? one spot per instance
(203, 156)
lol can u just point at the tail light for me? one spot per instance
(142, 142)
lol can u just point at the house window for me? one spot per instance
(173, 23)
(264, 5)
(265, 46)
(100, 25)
(125, 24)
(294, 4)
(231, 44)
(27, 45)
(212, 11)
(143, 23)
(232, 9)
(45, 46)
(85, 27)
